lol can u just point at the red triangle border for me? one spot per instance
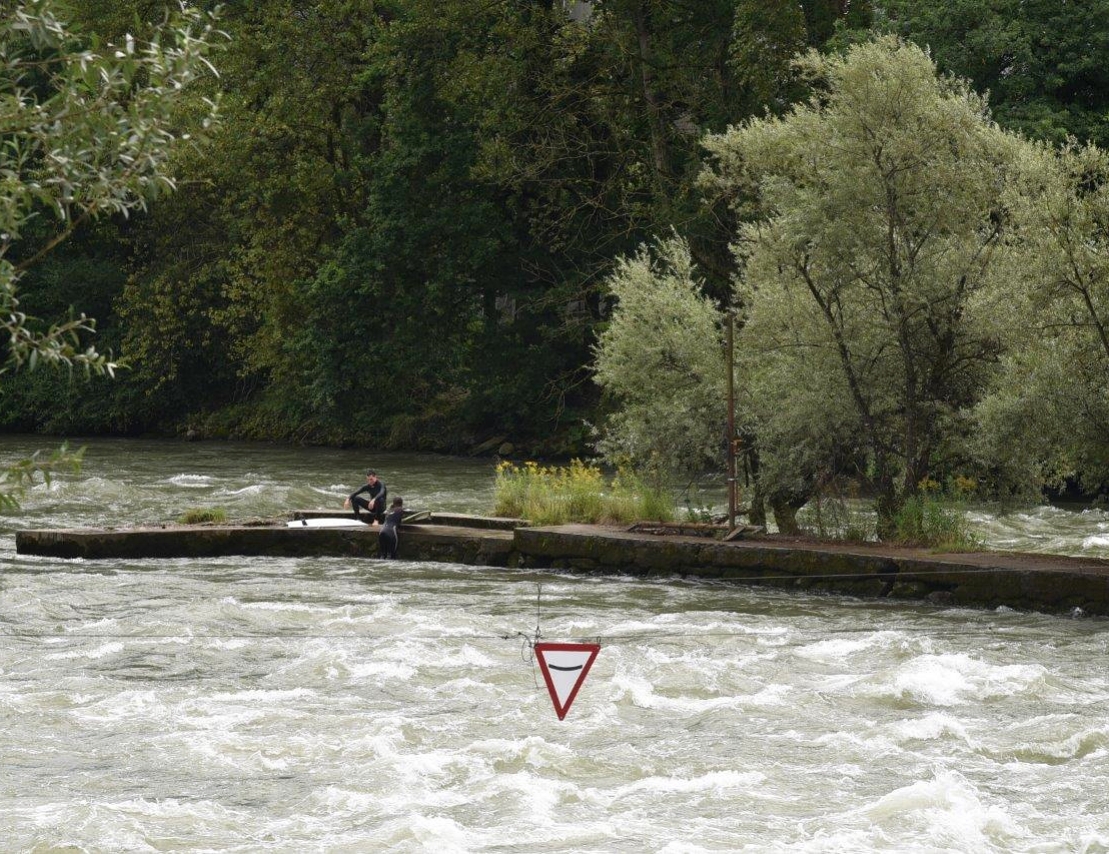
(544, 647)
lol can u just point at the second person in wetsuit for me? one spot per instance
(387, 539)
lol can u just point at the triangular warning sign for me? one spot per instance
(565, 666)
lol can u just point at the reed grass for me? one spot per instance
(579, 492)
(935, 519)
(936, 522)
(203, 515)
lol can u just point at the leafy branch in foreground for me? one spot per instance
(88, 129)
(18, 476)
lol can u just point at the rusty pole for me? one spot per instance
(730, 348)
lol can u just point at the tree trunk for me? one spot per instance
(887, 504)
(756, 515)
(785, 514)
(659, 148)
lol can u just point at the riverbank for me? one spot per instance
(1033, 582)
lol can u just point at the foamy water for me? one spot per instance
(259, 704)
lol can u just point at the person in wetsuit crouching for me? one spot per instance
(375, 503)
(387, 538)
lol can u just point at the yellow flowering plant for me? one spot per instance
(578, 492)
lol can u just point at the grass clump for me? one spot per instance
(937, 516)
(203, 515)
(933, 521)
(579, 492)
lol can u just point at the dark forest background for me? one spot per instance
(399, 233)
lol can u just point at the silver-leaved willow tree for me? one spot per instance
(884, 273)
(867, 269)
(1047, 419)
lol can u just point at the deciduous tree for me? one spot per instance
(1044, 63)
(661, 360)
(1048, 419)
(880, 225)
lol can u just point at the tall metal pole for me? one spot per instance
(731, 420)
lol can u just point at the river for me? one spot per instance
(331, 705)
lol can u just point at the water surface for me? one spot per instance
(261, 704)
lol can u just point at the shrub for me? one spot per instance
(933, 521)
(579, 492)
(202, 515)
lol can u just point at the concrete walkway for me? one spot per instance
(979, 579)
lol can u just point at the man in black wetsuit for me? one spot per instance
(375, 503)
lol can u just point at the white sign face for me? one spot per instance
(565, 666)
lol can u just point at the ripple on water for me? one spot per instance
(953, 679)
(1050, 740)
(840, 649)
(198, 481)
(135, 824)
(642, 694)
(931, 727)
(947, 810)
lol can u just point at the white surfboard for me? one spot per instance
(328, 522)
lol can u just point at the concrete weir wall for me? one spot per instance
(419, 542)
(1047, 583)
(980, 579)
